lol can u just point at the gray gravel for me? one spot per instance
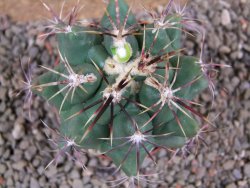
(24, 148)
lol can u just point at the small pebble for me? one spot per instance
(232, 185)
(224, 50)
(2, 168)
(33, 52)
(18, 131)
(237, 174)
(34, 183)
(20, 165)
(228, 165)
(1, 140)
(75, 174)
(225, 17)
(51, 171)
(78, 183)
(247, 170)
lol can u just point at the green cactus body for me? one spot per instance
(75, 45)
(125, 90)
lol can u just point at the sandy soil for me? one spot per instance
(25, 10)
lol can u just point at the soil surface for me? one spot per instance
(30, 10)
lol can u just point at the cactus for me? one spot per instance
(123, 86)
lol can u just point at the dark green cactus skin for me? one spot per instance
(75, 45)
(82, 48)
(122, 130)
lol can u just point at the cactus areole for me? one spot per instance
(123, 86)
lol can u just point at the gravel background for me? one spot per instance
(24, 148)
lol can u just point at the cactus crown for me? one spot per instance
(123, 87)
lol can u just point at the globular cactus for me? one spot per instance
(123, 87)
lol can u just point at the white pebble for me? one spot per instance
(225, 17)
